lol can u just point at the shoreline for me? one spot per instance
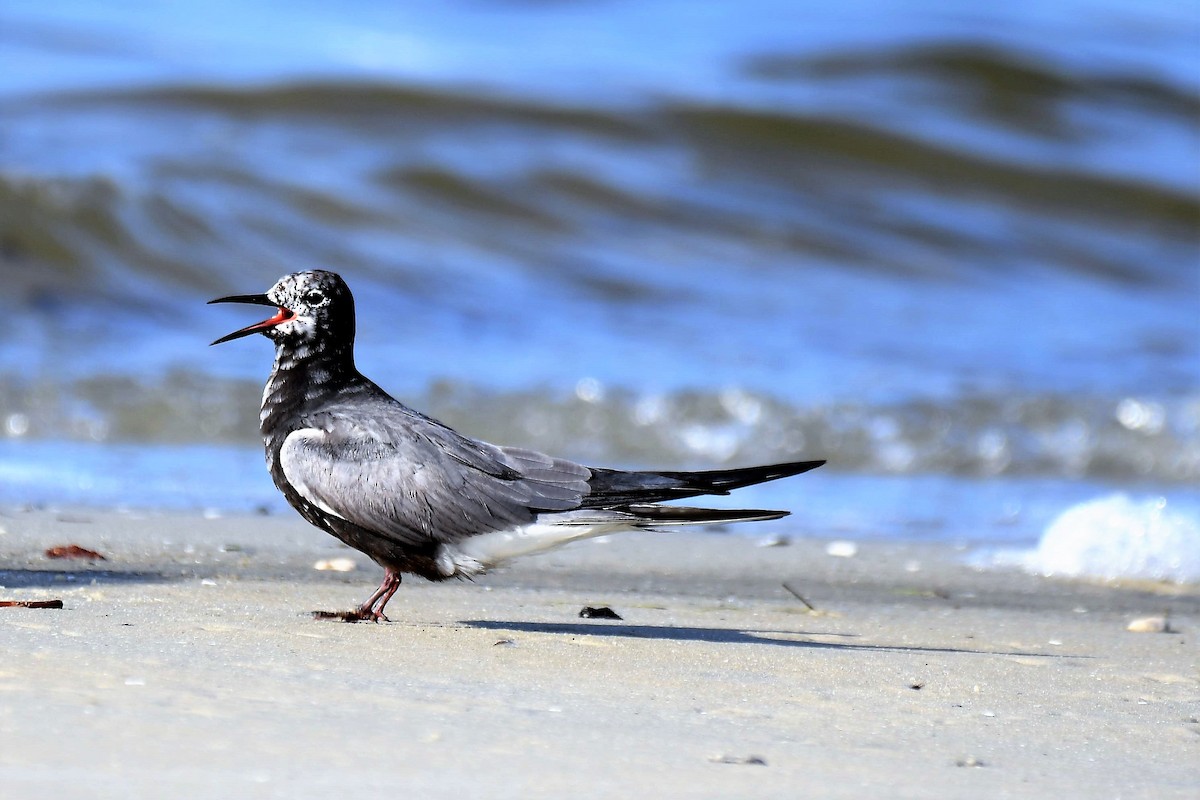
(186, 663)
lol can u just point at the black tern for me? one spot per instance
(416, 496)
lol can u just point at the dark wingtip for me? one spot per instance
(686, 515)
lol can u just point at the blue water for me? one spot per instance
(939, 244)
(830, 505)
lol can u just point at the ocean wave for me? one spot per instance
(822, 251)
(522, 176)
(995, 81)
(331, 101)
(1132, 439)
(812, 151)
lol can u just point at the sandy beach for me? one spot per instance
(186, 664)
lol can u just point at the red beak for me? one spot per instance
(282, 316)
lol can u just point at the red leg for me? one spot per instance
(372, 608)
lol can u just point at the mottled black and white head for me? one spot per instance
(315, 312)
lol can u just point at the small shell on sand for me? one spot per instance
(336, 565)
(1155, 624)
(841, 549)
(753, 760)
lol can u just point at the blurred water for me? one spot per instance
(919, 239)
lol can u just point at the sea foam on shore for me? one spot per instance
(1116, 537)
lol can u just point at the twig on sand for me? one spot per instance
(799, 596)
(31, 603)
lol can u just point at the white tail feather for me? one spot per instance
(480, 553)
(477, 554)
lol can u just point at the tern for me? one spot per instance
(418, 497)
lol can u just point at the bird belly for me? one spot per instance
(477, 554)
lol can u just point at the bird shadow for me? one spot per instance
(734, 636)
(65, 578)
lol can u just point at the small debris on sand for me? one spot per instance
(73, 551)
(31, 603)
(601, 612)
(336, 565)
(792, 591)
(841, 549)
(1156, 624)
(757, 761)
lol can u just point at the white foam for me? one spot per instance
(1119, 537)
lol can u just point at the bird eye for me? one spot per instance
(314, 298)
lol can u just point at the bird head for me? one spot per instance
(312, 307)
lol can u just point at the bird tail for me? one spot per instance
(724, 481)
(651, 515)
(614, 489)
(618, 501)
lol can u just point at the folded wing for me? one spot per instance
(416, 482)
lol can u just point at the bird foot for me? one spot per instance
(372, 609)
(357, 615)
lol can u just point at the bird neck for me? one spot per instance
(304, 376)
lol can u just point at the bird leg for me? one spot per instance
(372, 609)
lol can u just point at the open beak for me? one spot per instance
(259, 300)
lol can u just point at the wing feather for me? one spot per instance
(415, 480)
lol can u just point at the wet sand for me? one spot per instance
(186, 665)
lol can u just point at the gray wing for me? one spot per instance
(414, 480)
